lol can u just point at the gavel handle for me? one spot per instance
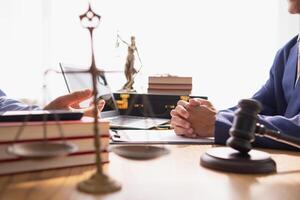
(277, 136)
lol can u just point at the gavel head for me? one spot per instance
(244, 124)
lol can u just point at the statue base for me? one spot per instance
(99, 184)
(127, 90)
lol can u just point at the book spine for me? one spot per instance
(51, 139)
(170, 86)
(83, 145)
(171, 92)
(50, 164)
(170, 80)
(8, 133)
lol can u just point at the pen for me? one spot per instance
(164, 126)
(115, 133)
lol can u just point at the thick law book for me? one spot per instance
(170, 86)
(170, 79)
(169, 92)
(32, 165)
(79, 132)
(52, 129)
(84, 145)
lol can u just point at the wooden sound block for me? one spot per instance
(229, 160)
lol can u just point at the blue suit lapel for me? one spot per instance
(291, 92)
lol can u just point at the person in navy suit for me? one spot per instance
(280, 98)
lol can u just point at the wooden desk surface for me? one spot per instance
(177, 175)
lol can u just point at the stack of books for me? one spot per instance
(78, 132)
(175, 85)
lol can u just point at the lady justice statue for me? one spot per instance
(129, 71)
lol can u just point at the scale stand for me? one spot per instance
(99, 183)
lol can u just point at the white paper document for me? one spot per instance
(155, 137)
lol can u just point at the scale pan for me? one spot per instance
(39, 150)
(139, 152)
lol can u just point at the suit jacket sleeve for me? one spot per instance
(272, 98)
(7, 104)
(289, 126)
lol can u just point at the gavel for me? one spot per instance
(245, 128)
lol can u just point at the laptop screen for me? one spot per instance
(81, 81)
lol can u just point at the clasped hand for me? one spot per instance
(195, 118)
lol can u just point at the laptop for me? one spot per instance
(80, 81)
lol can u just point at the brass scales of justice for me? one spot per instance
(98, 183)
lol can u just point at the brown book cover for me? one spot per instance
(32, 165)
(170, 80)
(35, 130)
(83, 145)
(79, 132)
(170, 86)
(170, 92)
